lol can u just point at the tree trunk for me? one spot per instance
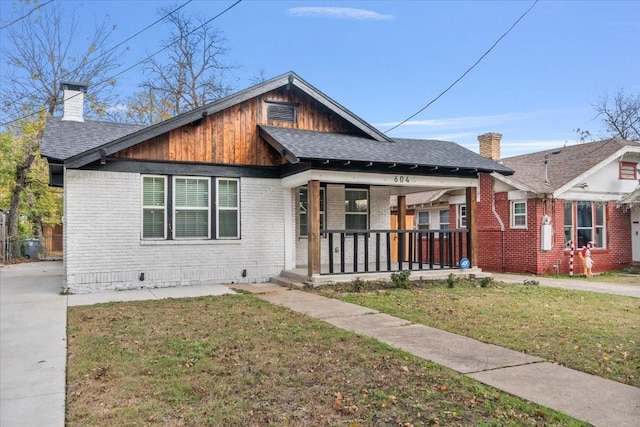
(22, 170)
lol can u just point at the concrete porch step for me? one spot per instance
(288, 282)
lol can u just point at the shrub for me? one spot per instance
(486, 281)
(401, 279)
(451, 280)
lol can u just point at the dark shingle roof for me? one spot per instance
(562, 167)
(63, 139)
(311, 145)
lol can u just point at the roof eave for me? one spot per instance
(583, 176)
(289, 78)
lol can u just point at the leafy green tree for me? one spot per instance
(37, 54)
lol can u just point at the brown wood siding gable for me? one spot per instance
(231, 136)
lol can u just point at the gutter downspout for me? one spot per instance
(495, 214)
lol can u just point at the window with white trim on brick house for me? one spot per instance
(423, 219)
(585, 222)
(518, 214)
(179, 208)
(462, 216)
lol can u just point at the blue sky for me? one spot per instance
(385, 60)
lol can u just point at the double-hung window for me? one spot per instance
(422, 220)
(462, 216)
(303, 207)
(519, 214)
(228, 209)
(154, 207)
(356, 209)
(182, 208)
(588, 226)
(191, 208)
(444, 219)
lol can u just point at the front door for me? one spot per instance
(635, 234)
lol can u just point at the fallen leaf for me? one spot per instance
(444, 387)
(337, 403)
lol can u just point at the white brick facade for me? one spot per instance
(104, 251)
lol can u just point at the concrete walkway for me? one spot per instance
(576, 283)
(586, 397)
(33, 349)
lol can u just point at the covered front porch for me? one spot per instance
(325, 246)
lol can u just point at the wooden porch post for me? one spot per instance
(313, 227)
(402, 225)
(472, 225)
(402, 212)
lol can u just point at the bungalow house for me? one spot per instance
(573, 196)
(275, 179)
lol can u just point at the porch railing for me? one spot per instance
(356, 251)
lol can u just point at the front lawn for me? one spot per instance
(238, 361)
(590, 332)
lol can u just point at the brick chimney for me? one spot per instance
(73, 101)
(490, 145)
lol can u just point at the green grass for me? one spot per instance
(591, 332)
(238, 361)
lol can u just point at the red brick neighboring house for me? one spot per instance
(526, 221)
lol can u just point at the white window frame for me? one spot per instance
(323, 204)
(227, 208)
(366, 214)
(515, 215)
(462, 217)
(175, 208)
(441, 223)
(423, 225)
(154, 207)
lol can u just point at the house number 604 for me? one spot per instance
(401, 179)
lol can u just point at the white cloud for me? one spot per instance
(462, 122)
(339, 12)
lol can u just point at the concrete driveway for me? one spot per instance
(33, 346)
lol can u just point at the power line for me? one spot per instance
(24, 16)
(139, 62)
(466, 72)
(114, 47)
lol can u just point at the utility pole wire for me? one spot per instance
(465, 73)
(24, 16)
(116, 46)
(137, 63)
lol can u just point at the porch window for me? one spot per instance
(191, 215)
(303, 206)
(444, 219)
(519, 214)
(422, 220)
(589, 223)
(462, 216)
(356, 208)
(228, 209)
(154, 207)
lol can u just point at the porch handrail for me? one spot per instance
(415, 248)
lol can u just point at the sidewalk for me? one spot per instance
(575, 283)
(586, 397)
(33, 349)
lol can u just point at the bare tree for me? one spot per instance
(620, 114)
(38, 53)
(191, 74)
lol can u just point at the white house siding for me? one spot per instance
(379, 218)
(104, 251)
